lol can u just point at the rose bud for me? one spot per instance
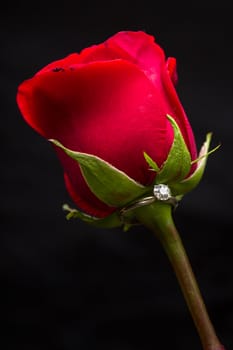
(116, 122)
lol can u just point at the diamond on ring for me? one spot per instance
(162, 192)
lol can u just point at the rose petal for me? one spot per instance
(175, 107)
(171, 68)
(136, 47)
(101, 52)
(151, 59)
(109, 109)
(141, 50)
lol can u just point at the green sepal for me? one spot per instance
(110, 221)
(111, 185)
(151, 162)
(192, 181)
(178, 162)
(205, 155)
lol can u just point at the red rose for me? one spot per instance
(111, 100)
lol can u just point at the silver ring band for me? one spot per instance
(161, 194)
(147, 201)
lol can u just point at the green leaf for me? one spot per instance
(111, 185)
(178, 162)
(110, 221)
(151, 162)
(192, 181)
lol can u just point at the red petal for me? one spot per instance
(171, 68)
(151, 59)
(141, 50)
(175, 108)
(100, 53)
(109, 109)
(136, 47)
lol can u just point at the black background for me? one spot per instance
(67, 285)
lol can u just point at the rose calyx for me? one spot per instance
(117, 190)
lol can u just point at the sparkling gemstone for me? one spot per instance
(162, 192)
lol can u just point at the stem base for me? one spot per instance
(157, 217)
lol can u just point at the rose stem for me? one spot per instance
(157, 217)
